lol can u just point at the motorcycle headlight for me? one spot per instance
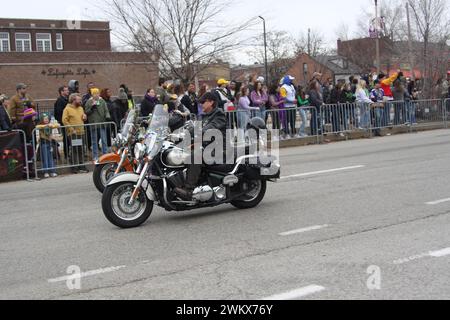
(139, 151)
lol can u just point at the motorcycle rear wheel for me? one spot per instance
(254, 197)
(117, 210)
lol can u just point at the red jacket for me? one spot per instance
(387, 83)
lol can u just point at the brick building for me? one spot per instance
(213, 72)
(244, 73)
(46, 54)
(334, 67)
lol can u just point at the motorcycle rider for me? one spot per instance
(213, 118)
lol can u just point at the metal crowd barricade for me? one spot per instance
(289, 122)
(446, 105)
(28, 161)
(45, 105)
(64, 147)
(429, 113)
(342, 117)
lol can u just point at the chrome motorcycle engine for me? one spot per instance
(203, 194)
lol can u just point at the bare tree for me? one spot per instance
(343, 32)
(182, 34)
(311, 42)
(432, 29)
(392, 12)
(279, 52)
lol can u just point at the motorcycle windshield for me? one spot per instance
(157, 130)
(128, 123)
(160, 121)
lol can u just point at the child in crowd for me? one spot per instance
(45, 129)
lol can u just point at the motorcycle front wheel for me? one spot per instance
(256, 193)
(118, 211)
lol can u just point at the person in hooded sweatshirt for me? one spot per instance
(74, 86)
(288, 94)
(119, 108)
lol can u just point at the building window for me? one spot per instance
(43, 42)
(23, 42)
(4, 42)
(59, 41)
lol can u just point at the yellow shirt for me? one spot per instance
(73, 116)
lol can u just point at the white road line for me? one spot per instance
(85, 274)
(440, 253)
(433, 203)
(297, 293)
(313, 228)
(435, 254)
(307, 174)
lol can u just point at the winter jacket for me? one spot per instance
(189, 100)
(45, 131)
(17, 106)
(97, 111)
(387, 83)
(162, 95)
(401, 94)
(301, 102)
(147, 105)
(223, 97)
(5, 121)
(119, 110)
(73, 116)
(85, 99)
(259, 100)
(316, 99)
(287, 92)
(59, 107)
(377, 95)
(217, 120)
(362, 96)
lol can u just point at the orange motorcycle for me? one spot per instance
(121, 159)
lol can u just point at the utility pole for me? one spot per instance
(377, 40)
(266, 67)
(411, 58)
(309, 41)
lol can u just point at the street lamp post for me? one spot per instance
(377, 40)
(265, 50)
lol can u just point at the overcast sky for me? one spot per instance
(289, 15)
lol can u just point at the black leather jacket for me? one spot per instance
(217, 120)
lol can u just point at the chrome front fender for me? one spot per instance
(134, 178)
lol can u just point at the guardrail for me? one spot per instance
(70, 146)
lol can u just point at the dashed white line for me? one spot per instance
(85, 274)
(303, 230)
(433, 203)
(307, 174)
(436, 254)
(297, 293)
(440, 253)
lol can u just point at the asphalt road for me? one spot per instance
(364, 219)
